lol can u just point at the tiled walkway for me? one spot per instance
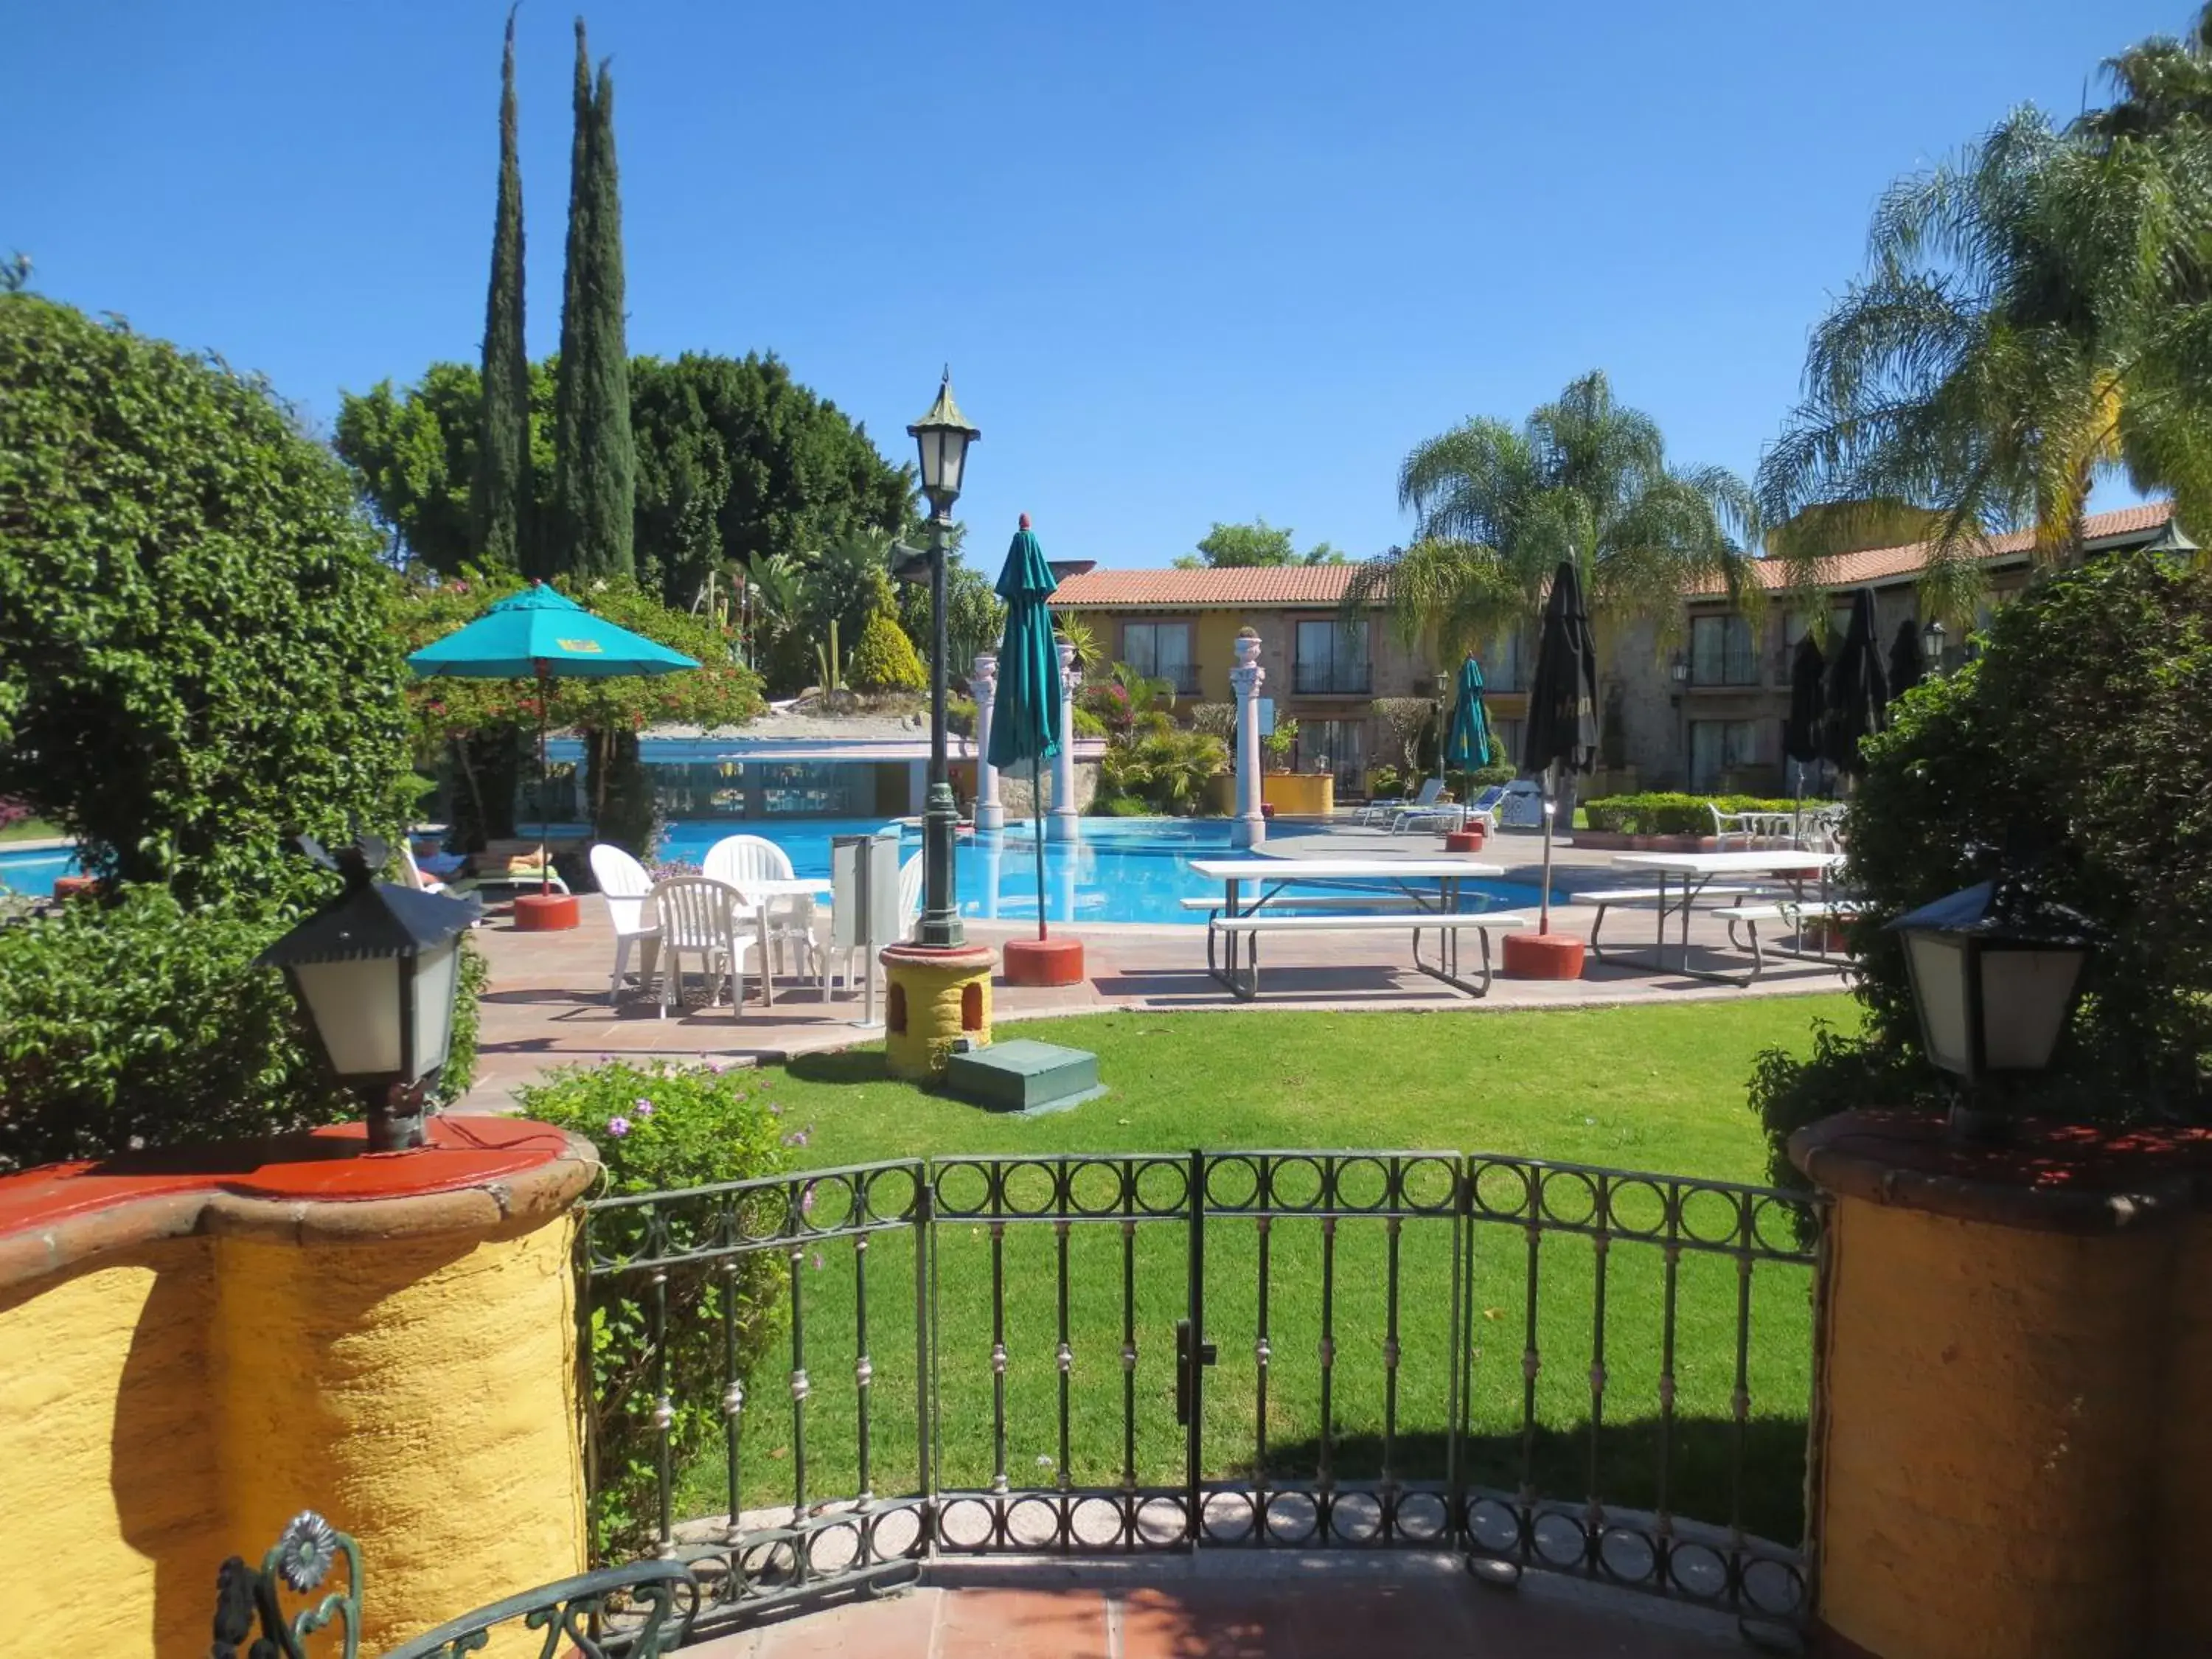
(547, 1004)
(1300, 1609)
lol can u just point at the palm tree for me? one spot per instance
(1585, 477)
(2035, 317)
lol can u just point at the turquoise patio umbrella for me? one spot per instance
(540, 634)
(1025, 720)
(1467, 744)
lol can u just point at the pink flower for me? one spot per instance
(644, 1106)
(617, 1127)
(806, 1200)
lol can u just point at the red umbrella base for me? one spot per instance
(1466, 841)
(1044, 961)
(1543, 955)
(546, 913)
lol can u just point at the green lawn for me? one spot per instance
(1652, 1089)
(29, 830)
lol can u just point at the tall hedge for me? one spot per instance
(2074, 747)
(196, 660)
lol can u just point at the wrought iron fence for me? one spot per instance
(826, 1378)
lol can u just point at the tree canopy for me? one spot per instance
(500, 493)
(1240, 546)
(196, 662)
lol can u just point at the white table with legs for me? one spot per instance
(1696, 870)
(759, 895)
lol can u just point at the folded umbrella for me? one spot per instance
(1025, 719)
(1562, 726)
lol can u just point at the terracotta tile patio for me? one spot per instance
(547, 1004)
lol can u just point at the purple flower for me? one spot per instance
(796, 1137)
(774, 1110)
(644, 1106)
(617, 1127)
(806, 1200)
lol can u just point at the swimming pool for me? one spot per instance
(34, 871)
(1121, 870)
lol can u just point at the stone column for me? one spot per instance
(1064, 823)
(1250, 826)
(983, 686)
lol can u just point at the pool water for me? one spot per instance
(33, 872)
(1121, 870)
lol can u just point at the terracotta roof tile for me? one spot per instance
(1200, 590)
(1885, 563)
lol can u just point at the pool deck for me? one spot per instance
(547, 1003)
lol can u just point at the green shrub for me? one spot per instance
(661, 1127)
(884, 660)
(196, 655)
(1276, 748)
(960, 715)
(1665, 814)
(141, 1024)
(1168, 771)
(1088, 724)
(1386, 783)
(1123, 807)
(2075, 749)
(1500, 772)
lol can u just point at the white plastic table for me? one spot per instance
(1270, 876)
(1696, 871)
(760, 892)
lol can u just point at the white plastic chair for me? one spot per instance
(738, 860)
(623, 879)
(691, 913)
(909, 896)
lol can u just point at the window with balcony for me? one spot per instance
(1331, 661)
(1502, 668)
(1161, 651)
(1339, 747)
(1723, 652)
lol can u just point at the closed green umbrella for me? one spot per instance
(1025, 719)
(1562, 725)
(540, 634)
(1467, 744)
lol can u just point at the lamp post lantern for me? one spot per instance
(943, 435)
(1995, 976)
(1931, 646)
(375, 972)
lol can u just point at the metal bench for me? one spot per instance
(1789, 913)
(1671, 897)
(1243, 982)
(1315, 902)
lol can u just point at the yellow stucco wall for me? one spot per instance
(931, 992)
(174, 1403)
(429, 1386)
(111, 1511)
(1993, 1424)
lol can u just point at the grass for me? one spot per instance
(1657, 1089)
(29, 830)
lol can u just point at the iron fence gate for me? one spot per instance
(822, 1379)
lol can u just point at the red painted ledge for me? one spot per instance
(477, 1171)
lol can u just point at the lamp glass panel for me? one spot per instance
(1939, 981)
(433, 991)
(954, 454)
(355, 1005)
(2024, 997)
(929, 443)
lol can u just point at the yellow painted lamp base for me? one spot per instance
(936, 998)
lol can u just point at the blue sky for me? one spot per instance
(1188, 261)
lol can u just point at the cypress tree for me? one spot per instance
(500, 492)
(595, 482)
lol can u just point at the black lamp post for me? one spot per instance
(1931, 647)
(375, 972)
(1995, 976)
(943, 435)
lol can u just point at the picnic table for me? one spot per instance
(1691, 874)
(1422, 895)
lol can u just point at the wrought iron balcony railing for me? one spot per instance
(1332, 679)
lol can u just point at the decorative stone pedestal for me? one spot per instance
(206, 1342)
(1543, 956)
(2013, 1453)
(1044, 961)
(934, 999)
(546, 913)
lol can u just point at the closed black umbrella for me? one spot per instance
(1904, 661)
(1858, 691)
(1562, 725)
(1809, 701)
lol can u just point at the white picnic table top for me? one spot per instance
(1228, 870)
(779, 886)
(1755, 862)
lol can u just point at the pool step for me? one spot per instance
(1022, 1076)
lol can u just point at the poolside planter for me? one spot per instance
(2011, 1453)
(1299, 795)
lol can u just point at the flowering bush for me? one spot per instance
(661, 1127)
